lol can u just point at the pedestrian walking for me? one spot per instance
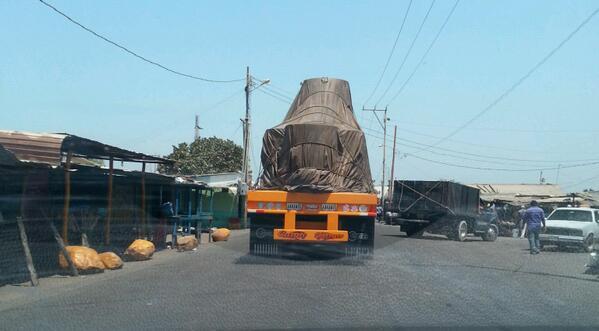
(535, 221)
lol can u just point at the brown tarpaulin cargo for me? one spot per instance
(319, 146)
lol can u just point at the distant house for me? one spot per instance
(225, 207)
(550, 195)
(223, 179)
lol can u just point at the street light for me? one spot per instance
(262, 82)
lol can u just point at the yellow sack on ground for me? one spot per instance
(111, 261)
(187, 243)
(221, 234)
(140, 250)
(84, 258)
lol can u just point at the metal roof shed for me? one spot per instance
(62, 149)
(52, 148)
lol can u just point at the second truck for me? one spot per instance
(315, 193)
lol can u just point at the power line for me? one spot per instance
(497, 129)
(482, 156)
(390, 54)
(580, 182)
(520, 80)
(407, 53)
(467, 143)
(461, 157)
(426, 52)
(285, 101)
(272, 86)
(486, 146)
(226, 99)
(210, 108)
(483, 168)
(501, 169)
(134, 53)
(278, 93)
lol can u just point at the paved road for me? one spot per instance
(411, 282)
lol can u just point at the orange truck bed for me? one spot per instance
(281, 218)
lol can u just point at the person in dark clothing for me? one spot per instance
(535, 221)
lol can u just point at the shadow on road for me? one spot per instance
(566, 249)
(296, 259)
(432, 237)
(422, 236)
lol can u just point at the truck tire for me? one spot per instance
(459, 231)
(410, 230)
(491, 234)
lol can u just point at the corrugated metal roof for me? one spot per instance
(223, 179)
(7, 158)
(33, 147)
(49, 148)
(519, 189)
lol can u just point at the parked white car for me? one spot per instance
(572, 227)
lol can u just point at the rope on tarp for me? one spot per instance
(422, 196)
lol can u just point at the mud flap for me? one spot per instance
(261, 234)
(361, 236)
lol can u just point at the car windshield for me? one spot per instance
(571, 215)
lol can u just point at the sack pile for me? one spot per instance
(84, 259)
(140, 250)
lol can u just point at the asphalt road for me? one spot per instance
(426, 282)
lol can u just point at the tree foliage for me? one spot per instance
(205, 156)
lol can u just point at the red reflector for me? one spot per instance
(259, 211)
(371, 214)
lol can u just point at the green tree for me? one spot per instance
(204, 156)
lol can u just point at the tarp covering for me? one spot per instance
(434, 197)
(319, 146)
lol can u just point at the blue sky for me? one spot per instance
(55, 77)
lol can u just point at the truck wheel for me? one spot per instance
(491, 234)
(589, 243)
(410, 230)
(460, 231)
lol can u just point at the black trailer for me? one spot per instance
(441, 207)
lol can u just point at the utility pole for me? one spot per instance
(541, 179)
(247, 180)
(384, 126)
(246, 139)
(392, 183)
(557, 175)
(197, 129)
(246, 131)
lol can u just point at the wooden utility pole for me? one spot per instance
(109, 201)
(143, 200)
(67, 197)
(384, 126)
(246, 143)
(392, 183)
(246, 128)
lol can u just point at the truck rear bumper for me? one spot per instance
(310, 236)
